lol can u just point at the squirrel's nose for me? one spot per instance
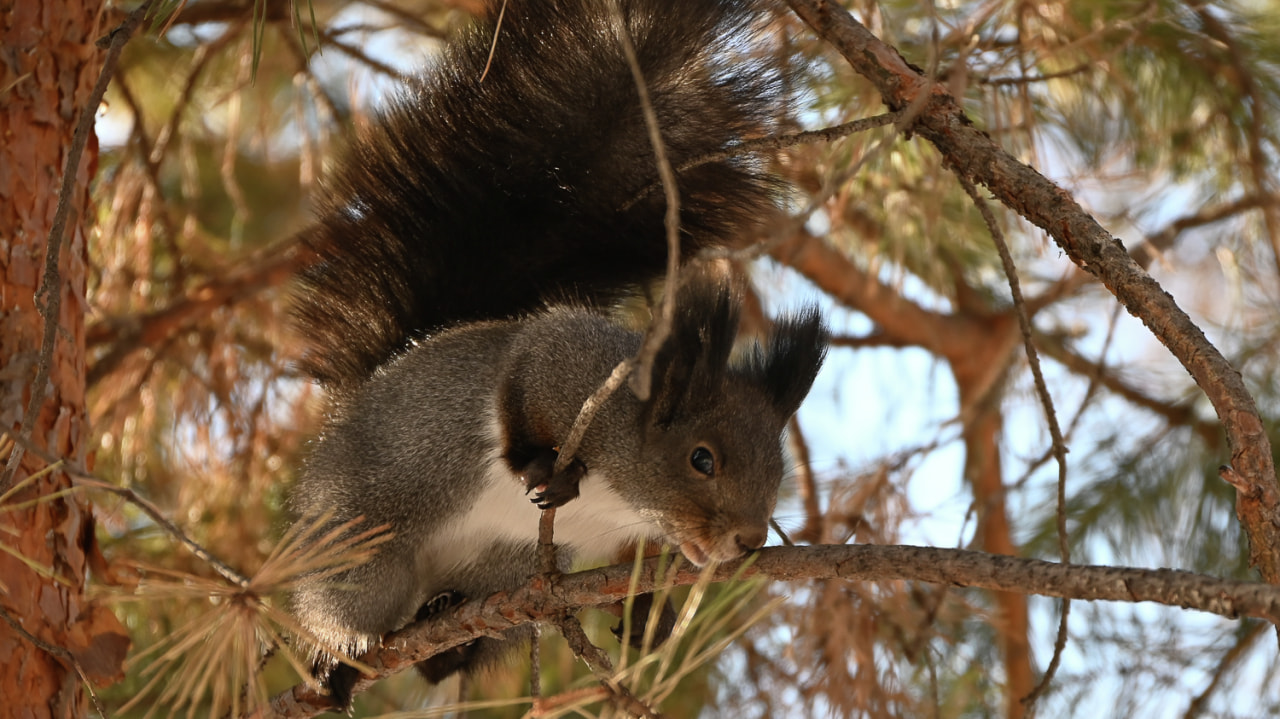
(750, 540)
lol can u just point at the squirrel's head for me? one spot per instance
(713, 424)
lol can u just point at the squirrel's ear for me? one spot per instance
(693, 361)
(786, 369)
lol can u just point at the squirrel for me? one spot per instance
(467, 250)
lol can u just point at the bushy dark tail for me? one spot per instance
(472, 200)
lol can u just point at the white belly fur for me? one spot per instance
(593, 526)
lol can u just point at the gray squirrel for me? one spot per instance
(468, 248)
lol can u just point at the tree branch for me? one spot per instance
(1021, 188)
(540, 600)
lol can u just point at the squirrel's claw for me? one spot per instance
(551, 489)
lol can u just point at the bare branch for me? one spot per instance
(541, 600)
(1051, 417)
(601, 667)
(642, 371)
(975, 155)
(806, 486)
(1178, 413)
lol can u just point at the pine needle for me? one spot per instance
(211, 665)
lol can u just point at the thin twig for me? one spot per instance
(806, 485)
(1045, 77)
(588, 412)
(546, 549)
(359, 55)
(1182, 413)
(407, 18)
(294, 45)
(1051, 417)
(535, 664)
(493, 47)
(158, 517)
(780, 142)
(546, 540)
(660, 328)
(602, 668)
(84, 479)
(200, 61)
(639, 368)
(1095, 375)
(240, 209)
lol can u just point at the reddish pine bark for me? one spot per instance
(47, 70)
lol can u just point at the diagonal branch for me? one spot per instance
(1157, 243)
(899, 321)
(1021, 188)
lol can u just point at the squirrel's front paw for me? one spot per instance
(552, 489)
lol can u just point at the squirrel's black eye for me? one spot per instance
(703, 461)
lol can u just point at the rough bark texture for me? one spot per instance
(976, 156)
(47, 67)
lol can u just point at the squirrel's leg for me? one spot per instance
(531, 446)
(472, 656)
(340, 681)
(443, 665)
(344, 615)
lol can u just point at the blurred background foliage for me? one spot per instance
(1158, 116)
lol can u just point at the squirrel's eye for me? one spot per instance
(703, 461)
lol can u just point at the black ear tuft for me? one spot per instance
(693, 361)
(797, 347)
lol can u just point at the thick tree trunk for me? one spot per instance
(47, 68)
